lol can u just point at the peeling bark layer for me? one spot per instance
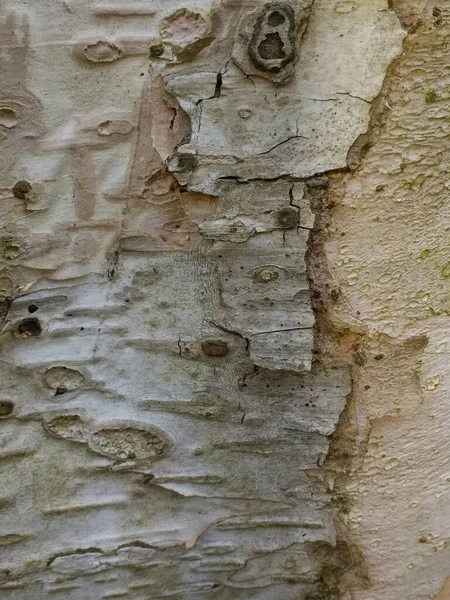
(164, 425)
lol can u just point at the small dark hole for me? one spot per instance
(6, 408)
(60, 390)
(29, 327)
(21, 189)
(156, 51)
(218, 88)
(275, 19)
(33, 308)
(186, 162)
(272, 47)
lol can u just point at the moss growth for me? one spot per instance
(445, 271)
(431, 96)
(10, 249)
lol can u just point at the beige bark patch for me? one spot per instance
(8, 117)
(110, 127)
(63, 379)
(102, 51)
(444, 593)
(68, 427)
(184, 27)
(126, 443)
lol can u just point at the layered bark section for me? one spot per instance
(164, 425)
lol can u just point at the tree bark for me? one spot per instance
(224, 297)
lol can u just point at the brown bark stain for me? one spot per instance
(146, 161)
(224, 19)
(410, 12)
(83, 182)
(101, 51)
(347, 344)
(22, 107)
(444, 593)
(156, 216)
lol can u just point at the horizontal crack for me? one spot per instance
(292, 137)
(281, 330)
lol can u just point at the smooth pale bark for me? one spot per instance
(224, 295)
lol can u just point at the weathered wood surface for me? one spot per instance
(163, 424)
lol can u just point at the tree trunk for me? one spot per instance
(225, 300)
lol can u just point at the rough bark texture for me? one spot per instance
(224, 297)
(387, 249)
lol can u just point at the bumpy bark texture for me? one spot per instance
(388, 253)
(164, 426)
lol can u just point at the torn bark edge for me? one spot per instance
(380, 109)
(345, 567)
